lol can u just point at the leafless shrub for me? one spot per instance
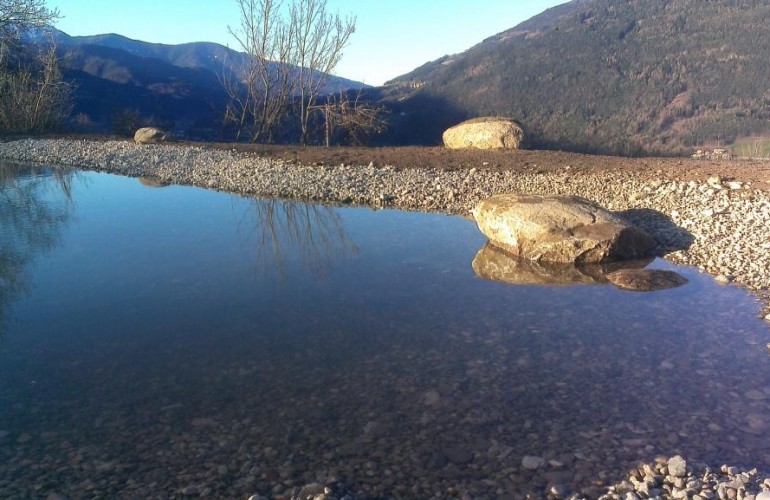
(354, 118)
(289, 60)
(33, 96)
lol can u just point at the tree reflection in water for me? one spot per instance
(35, 203)
(314, 234)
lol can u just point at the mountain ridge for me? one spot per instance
(642, 77)
(121, 83)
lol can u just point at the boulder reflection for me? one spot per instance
(495, 264)
(35, 203)
(313, 234)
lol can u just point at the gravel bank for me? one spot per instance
(725, 227)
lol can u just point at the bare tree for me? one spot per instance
(320, 38)
(18, 16)
(290, 51)
(259, 92)
(33, 96)
(355, 118)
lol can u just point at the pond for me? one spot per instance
(160, 341)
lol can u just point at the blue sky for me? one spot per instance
(392, 36)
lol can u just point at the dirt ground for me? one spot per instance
(745, 170)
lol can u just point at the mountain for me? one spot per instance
(610, 76)
(115, 92)
(210, 56)
(122, 83)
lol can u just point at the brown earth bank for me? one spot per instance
(755, 171)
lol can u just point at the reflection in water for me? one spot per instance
(152, 182)
(31, 217)
(314, 233)
(495, 264)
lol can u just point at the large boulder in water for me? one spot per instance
(485, 133)
(149, 135)
(559, 229)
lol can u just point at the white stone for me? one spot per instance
(431, 398)
(677, 466)
(531, 462)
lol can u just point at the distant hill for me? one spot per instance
(628, 77)
(116, 92)
(123, 82)
(210, 56)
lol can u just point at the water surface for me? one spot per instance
(161, 341)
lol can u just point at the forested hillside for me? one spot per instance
(614, 76)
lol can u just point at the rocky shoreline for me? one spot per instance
(720, 226)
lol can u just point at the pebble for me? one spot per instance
(677, 466)
(531, 462)
(432, 398)
(458, 455)
(191, 491)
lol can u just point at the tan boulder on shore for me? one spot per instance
(559, 229)
(149, 135)
(485, 133)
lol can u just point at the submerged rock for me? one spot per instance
(531, 462)
(556, 228)
(646, 280)
(485, 133)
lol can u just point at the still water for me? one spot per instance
(160, 342)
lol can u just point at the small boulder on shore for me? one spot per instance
(559, 229)
(485, 133)
(149, 135)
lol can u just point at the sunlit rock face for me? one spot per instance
(566, 229)
(485, 133)
(149, 135)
